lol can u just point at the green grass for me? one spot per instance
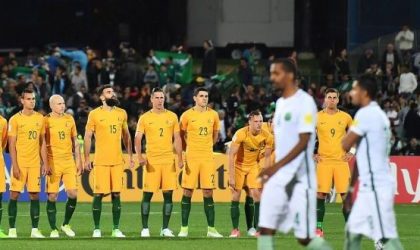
(408, 217)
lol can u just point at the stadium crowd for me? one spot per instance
(76, 74)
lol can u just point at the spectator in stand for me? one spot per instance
(389, 82)
(61, 84)
(209, 66)
(396, 144)
(412, 122)
(390, 55)
(294, 57)
(151, 77)
(365, 61)
(391, 112)
(328, 63)
(408, 83)
(79, 56)
(376, 72)
(342, 63)
(404, 41)
(245, 73)
(412, 149)
(78, 78)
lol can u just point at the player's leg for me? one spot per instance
(189, 181)
(70, 182)
(53, 182)
(34, 188)
(101, 186)
(207, 171)
(2, 190)
(341, 183)
(16, 186)
(151, 180)
(325, 173)
(255, 191)
(249, 212)
(169, 180)
(236, 196)
(116, 188)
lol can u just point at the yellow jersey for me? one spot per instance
(3, 132)
(27, 129)
(107, 125)
(159, 129)
(200, 127)
(250, 146)
(268, 126)
(59, 132)
(330, 131)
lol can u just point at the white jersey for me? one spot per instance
(295, 115)
(373, 126)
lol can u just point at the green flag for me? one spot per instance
(183, 65)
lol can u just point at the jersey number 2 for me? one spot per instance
(32, 135)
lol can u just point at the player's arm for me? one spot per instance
(13, 156)
(268, 151)
(233, 151)
(137, 145)
(216, 128)
(88, 143)
(348, 200)
(4, 139)
(178, 148)
(77, 154)
(127, 143)
(183, 124)
(45, 170)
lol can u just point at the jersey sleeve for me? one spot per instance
(43, 126)
(307, 118)
(349, 121)
(238, 137)
(270, 141)
(90, 125)
(176, 124)
(125, 120)
(73, 127)
(216, 125)
(13, 127)
(140, 125)
(184, 121)
(360, 124)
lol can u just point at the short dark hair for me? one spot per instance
(197, 90)
(332, 90)
(101, 88)
(368, 82)
(26, 91)
(288, 65)
(156, 90)
(254, 113)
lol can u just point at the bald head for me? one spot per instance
(57, 104)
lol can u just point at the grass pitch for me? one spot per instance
(408, 217)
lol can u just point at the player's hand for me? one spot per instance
(180, 163)
(45, 170)
(79, 169)
(132, 163)
(232, 183)
(142, 161)
(347, 156)
(266, 173)
(16, 172)
(317, 158)
(88, 165)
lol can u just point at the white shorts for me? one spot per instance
(287, 204)
(372, 215)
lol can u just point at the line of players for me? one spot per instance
(30, 137)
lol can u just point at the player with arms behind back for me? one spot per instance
(288, 199)
(160, 126)
(372, 214)
(332, 161)
(26, 144)
(247, 143)
(61, 139)
(109, 124)
(200, 128)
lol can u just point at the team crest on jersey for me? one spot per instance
(308, 119)
(262, 145)
(67, 124)
(210, 121)
(288, 116)
(168, 122)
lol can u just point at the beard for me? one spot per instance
(112, 102)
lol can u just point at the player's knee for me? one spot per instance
(256, 195)
(52, 197)
(236, 195)
(14, 195)
(72, 193)
(34, 196)
(304, 242)
(188, 192)
(208, 193)
(115, 195)
(321, 195)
